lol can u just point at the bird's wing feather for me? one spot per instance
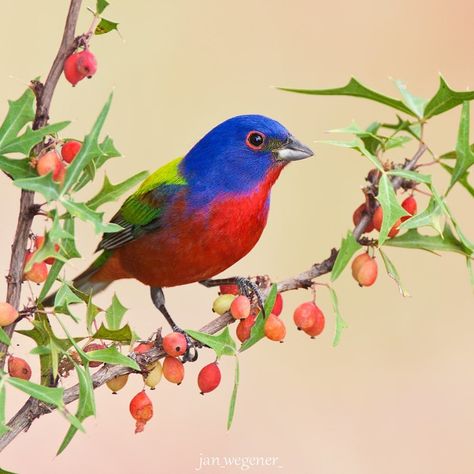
(142, 211)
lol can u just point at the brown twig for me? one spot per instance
(33, 409)
(44, 95)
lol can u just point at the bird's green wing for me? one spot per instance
(142, 211)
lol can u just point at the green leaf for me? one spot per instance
(46, 250)
(51, 395)
(20, 112)
(40, 184)
(411, 175)
(392, 211)
(92, 312)
(452, 155)
(86, 405)
(25, 142)
(111, 192)
(17, 169)
(464, 154)
(3, 471)
(64, 297)
(81, 211)
(470, 271)
(432, 243)
(4, 337)
(355, 89)
(233, 398)
(463, 179)
(123, 334)
(223, 344)
(349, 246)
(89, 149)
(431, 217)
(445, 99)
(3, 424)
(105, 26)
(114, 313)
(395, 142)
(112, 356)
(392, 272)
(358, 145)
(415, 104)
(101, 5)
(257, 331)
(340, 323)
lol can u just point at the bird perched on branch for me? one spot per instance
(198, 215)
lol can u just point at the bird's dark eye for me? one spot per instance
(255, 140)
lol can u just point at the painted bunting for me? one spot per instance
(197, 215)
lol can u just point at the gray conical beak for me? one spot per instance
(294, 150)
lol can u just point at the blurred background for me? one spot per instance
(396, 394)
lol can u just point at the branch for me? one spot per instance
(33, 408)
(44, 95)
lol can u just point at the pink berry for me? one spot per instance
(305, 315)
(175, 344)
(173, 370)
(51, 163)
(240, 307)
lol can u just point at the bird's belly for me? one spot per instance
(198, 247)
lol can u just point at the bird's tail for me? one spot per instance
(85, 282)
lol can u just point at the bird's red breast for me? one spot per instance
(194, 247)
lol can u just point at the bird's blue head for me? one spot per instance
(238, 155)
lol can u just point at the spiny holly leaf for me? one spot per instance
(89, 149)
(17, 169)
(20, 112)
(233, 398)
(463, 179)
(80, 210)
(105, 26)
(64, 297)
(101, 5)
(411, 175)
(349, 246)
(111, 192)
(431, 217)
(464, 154)
(25, 142)
(3, 424)
(86, 407)
(432, 243)
(392, 211)
(340, 323)
(392, 272)
(222, 343)
(91, 313)
(452, 155)
(415, 104)
(372, 141)
(51, 395)
(257, 331)
(115, 313)
(112, 356)
(445, 99)
(355, 89)
(123, 334)
(356, 144)
(4, 337)
(40, 184)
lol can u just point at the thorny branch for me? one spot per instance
(33, 408)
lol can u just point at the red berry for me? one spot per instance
(51, 163)
(278, 306)
(70, 69)
(209, 378)
(357, 216)
(38, 271)
(364, 269)
(19, 368)
(274, 328)
(409, 204)
(175, 344)
(305, 315)
(8, 314)
(240, 307)
(173, 370)
(94, 346)
(141, 409)
(229, 290)
(377, 222)
(86, 63)
(317, 327)
(244, 327)
(143, 347)
(70, 149)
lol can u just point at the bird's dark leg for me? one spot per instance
(246, 286)
(158, 298)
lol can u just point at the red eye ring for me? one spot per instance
(255, 140)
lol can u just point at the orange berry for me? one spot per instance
(274, 328)
(38, 271)
(19, 368)
(51, 163)
(364, 269)
(175, 344)
(245, 327)
(173, 370)
(8, 314)
(209, 378)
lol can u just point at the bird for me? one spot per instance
(197, 215)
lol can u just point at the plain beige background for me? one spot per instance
(397, 394)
